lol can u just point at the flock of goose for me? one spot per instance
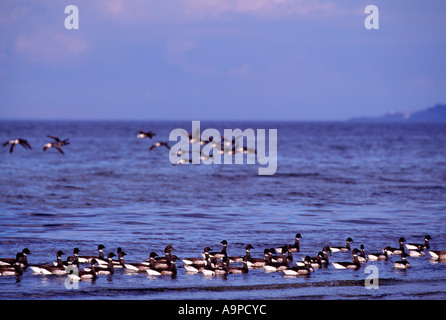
(216, 262)
(59, 143)
(210, 263)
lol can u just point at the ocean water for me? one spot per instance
(374, 183)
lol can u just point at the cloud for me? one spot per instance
(264, 9)
(204, 10)
(49, 45)
(113, 6)
(240, 72)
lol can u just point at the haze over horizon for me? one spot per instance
(224, 59)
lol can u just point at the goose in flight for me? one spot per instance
(14, 142)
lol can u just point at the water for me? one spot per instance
(372, 182)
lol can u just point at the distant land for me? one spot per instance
(436, 114)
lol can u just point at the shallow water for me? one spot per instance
(372, 182)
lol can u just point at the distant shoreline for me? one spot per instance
(436, 114)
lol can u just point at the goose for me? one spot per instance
(171, 270)
(13, 142)
(194, 264)
(403, 263)
(378, 256)
(87, 273)
(346, 248)
(306, 269)
(416, 253)
(222, 253)
(159, 144)
(399, 250)
(314, 262)
(294, 247)
(145, 134)
(238, 270)
(142, 267)
(120, 263)
(349, 265)
(362, 256)
(438, 255)
(419, 246)
(285, 256)
(13, 270)
(59, 269)
(100, 259)
(58, 144)
(271, 266)
(109, 270)
(236, 259)
(325, 259)
(257, 262)
(12, 261)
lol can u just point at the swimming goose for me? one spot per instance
(361, 256)
(14, 142)
(222, 253)
(403, 263)
(321, 260)
(171, 269)
(211, 267)
(194, 264)
(222, 269)
(419, 246)
(143, 266)
(314, 262)
(236, 259)
(305, 269)
(74, 259)
(257, 262)
(109, 270)
(120, 263)
(163, 262)
(349, 265)
(13, 270)
(416, 253)
(438, 255)
(85, 274)
(294, 247)
(346, 248)
(59, 269)
(378, 256)
(271, 266)
(238, 270)
(12, 261)
(285, 256)
(399, 250)
(100, 259)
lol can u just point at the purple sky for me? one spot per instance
(221, 59)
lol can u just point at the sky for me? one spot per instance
(220, 59)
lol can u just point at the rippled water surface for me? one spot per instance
(374, 183)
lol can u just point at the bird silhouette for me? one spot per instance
(14, 142)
